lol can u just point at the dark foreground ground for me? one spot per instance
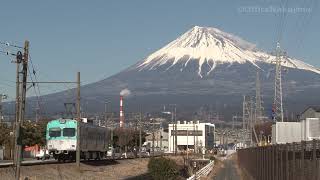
(106, 169)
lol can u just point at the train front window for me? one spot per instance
(54, 132)
(69, 132)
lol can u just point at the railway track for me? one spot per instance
(53, 161)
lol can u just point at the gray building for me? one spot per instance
(310, 112)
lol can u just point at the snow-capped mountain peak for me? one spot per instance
(212, 46)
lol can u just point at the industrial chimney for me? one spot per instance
(121, 112)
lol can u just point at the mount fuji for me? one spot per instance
(204, 66)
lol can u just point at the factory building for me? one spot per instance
(194, 135)
(305, 130)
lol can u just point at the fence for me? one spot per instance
(282, 161)
(202, 172)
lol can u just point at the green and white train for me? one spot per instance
(61, 136)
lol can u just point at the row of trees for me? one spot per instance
(127, 138)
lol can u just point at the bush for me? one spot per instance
(163, 168)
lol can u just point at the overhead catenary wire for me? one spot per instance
(281, 20)
(7, 53)
(38, 94)
(10, 45)
(302, 24)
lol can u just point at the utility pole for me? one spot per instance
(20, 103)
(78, 121)
(17, 107)
(196, 146)
(2, 97)
(161, 138)
(188, 144)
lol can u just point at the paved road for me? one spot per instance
(228, 171)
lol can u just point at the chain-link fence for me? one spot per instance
(282, 161)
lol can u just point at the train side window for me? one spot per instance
(69, 132)
(54, 132)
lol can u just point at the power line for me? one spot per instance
(11, 45)
(7, 53)
(38, 108)
(305, 21)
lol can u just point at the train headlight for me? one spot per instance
(62, 121)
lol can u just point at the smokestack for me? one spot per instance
(121, 112)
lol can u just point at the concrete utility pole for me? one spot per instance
(196, 145)
(20, 104)
(2, 97)
(17, 107)
(161, 139)
(187, 144)
(78, 121)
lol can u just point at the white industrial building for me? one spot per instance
(160, 140)
(288, 132)
(310, 129)
(192, 135)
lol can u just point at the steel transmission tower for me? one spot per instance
(248, 120)
(246, 117)
(258, 107)
(277, 108)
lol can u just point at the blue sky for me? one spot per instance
(101, 38)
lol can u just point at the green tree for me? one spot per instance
(33, 133)
(4, 134)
